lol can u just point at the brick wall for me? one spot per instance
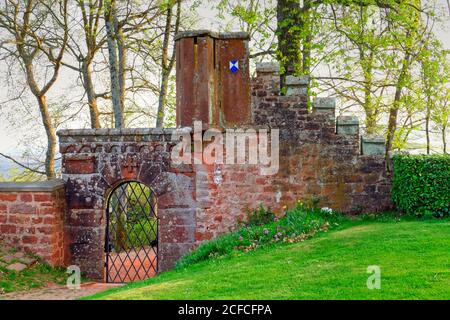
(31, 218)
(327, 155)
(321, 157)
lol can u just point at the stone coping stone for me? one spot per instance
(324, 103)
(373, 139)
(114, 132)
(145, 131)
(347, 121)
(267, 67)
(212, 34)
(39, 186)
(297, 81)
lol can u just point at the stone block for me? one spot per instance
(297, 81)
(324, 103)
(267, 67)
(297, 86)
(84, 165)
(373, 145)
(17, 267)
(347, 125)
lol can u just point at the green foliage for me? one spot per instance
(141, 232)
(259, 216)
(132, 223)
(421, 184)
(298, 224)
(35, 277)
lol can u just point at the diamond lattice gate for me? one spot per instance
(131, 240)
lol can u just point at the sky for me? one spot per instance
(10, 137)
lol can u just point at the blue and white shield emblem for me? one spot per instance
(234, 66)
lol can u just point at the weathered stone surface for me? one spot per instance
(81, 165)
(297, 81)
(40, 186)
(373, 145)
(296, 91)
(18, 255)
(267, 67)
(123, 156)
(33, 222)
(8, 258)
(17, 267)
(322, 103)
(347, 125)
(315, 161)
(28, 261)
(296, 86)
(214, 34)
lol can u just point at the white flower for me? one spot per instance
(327, 210)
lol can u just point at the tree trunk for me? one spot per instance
(427, 127)
(162, 99)
(371, 116)
(113, 63)
(305, 21)
(92, 99)
(51, 138)
(122, 49)
(288, 23)
(164, 70)
(444, 139)
(393, 112)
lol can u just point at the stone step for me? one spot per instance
(17, 267)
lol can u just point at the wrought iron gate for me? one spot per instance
(131, 240)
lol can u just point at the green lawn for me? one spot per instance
(37, 276)
(414, 257)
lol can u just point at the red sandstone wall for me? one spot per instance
(315, 162)
(94, 162)
(32, 221)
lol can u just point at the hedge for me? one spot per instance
(421, 184)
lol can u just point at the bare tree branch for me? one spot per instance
(35, 170)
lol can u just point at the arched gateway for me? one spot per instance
(131, 236)
(130, 211)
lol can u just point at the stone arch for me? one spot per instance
(90, 180)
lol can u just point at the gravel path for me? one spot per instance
(58, 292)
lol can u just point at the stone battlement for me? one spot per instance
(290, 111)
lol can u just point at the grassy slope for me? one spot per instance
(37, 276)
(414, 257)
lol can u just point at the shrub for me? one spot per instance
(421, 184)
(141, 232)
(298, 224)
(259, 216)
